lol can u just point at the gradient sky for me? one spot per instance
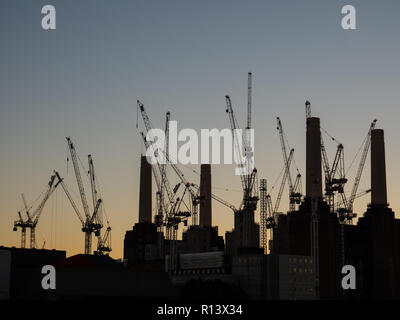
(83, 79)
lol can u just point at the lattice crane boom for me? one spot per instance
(276, 207)
(237, 143)
(361, 166)
(37, 213)
(92, 180)
(51, 188)
(285, 175)
(25, 206)
(78, 177)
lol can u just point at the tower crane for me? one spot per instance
(91, 223)
(248, 180)
(103, 243)
(163, 183)
(33, 219)
(248, 174)
(347, 213)
(332, 183)
(168, 215)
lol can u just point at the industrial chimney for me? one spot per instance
(145, 191)
(378, 168)
(205, 195)
(313, 159)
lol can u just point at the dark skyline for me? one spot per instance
(84, 79)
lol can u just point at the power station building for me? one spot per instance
(310, 245)
(372, 246)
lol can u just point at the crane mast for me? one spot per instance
(263, 214)
(161, 207)
(249, 88)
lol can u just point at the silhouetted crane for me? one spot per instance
(33, 219)
(294, 194)
(346, 214)
(91, 223)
